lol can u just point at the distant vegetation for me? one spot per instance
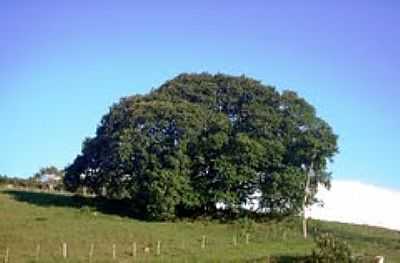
(47, 178)
(15, 181)
(203, 139)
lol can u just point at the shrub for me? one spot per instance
(331, 250)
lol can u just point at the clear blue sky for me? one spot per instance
(63, 63)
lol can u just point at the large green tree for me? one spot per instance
(201, 139)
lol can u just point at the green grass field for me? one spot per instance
(29, 219)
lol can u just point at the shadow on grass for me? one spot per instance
(45, 199)
(124, 208)
(284, 259)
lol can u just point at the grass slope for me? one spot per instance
(29, 218)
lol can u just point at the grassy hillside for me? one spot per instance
(29, 219)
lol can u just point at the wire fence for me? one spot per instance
(117, 252)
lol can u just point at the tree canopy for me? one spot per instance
(203, 139)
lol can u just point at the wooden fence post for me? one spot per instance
(203, 242)
(183, 243)
(158, 248)
(247, 238)
(64, 250)
(234, 241)
(91, 251)
(7, 255)
(134, 249)
(37, 252)
(114, 253)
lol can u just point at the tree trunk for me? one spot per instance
(304, 224)
(310, 170)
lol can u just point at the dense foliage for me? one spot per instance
(203, 139)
